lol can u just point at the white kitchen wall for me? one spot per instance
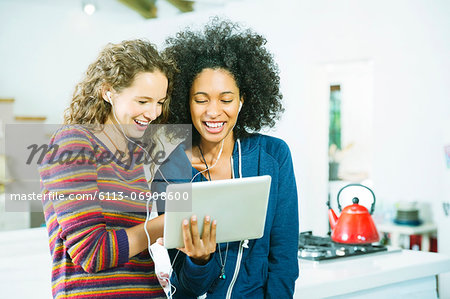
(46, 45)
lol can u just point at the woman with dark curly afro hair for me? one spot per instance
(228, 89)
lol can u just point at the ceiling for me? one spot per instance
(149, 10)
(153, 8)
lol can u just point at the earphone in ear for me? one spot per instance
(240, 106)
(108, 94)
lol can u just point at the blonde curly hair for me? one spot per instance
(116, 67)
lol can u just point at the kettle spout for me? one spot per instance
(333, 218)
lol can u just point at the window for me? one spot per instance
(335, 116)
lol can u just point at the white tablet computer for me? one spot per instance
(238, 205)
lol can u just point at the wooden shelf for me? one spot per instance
(30, 118)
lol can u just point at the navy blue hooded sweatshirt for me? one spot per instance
(269, 266)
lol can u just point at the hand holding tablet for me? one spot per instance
(198, 248)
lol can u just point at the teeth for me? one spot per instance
(214, 125)
(141, 122)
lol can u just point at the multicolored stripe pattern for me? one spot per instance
(88, 242)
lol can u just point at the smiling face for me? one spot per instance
(140, 103)
(214, 104)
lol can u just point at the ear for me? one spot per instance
(241, 103)
(106, 93)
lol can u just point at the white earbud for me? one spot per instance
(240, 106)
(108, 94)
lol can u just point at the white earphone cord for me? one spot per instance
(217, 160)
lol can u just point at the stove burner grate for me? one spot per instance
(317, 248)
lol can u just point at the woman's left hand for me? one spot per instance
(199, 249)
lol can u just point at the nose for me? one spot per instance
(213, 108)
(153, 111)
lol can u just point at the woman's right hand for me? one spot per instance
(199, 249)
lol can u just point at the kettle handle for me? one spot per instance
(372, 208)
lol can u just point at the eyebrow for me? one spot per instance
(150, 98)
(204, 93)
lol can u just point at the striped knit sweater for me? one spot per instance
(88, 243)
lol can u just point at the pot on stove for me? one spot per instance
(355, 224)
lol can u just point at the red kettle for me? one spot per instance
(355, 224)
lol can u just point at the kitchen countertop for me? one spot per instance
(360, 273)
(25, 267)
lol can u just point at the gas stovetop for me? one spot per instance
(316, 248)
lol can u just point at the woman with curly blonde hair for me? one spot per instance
(94, 173)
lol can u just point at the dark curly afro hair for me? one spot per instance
(224, 45)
